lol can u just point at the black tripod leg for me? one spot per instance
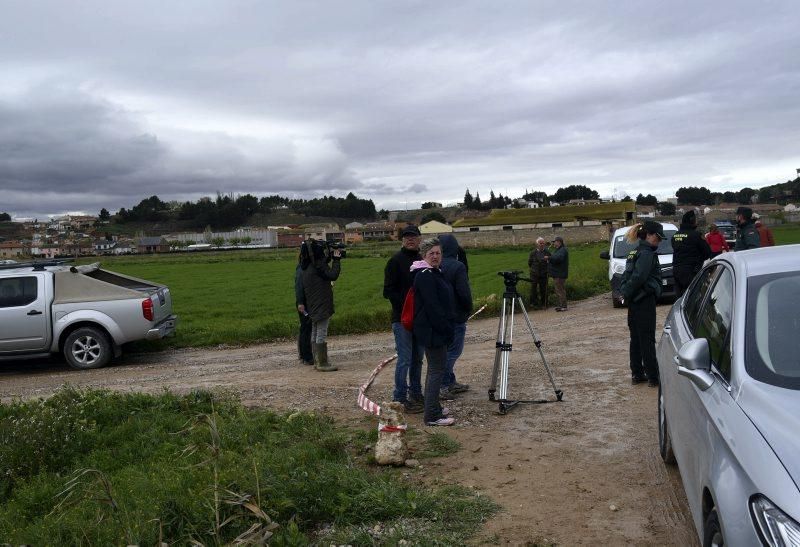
(538, 343)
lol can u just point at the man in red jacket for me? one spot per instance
(765, 234)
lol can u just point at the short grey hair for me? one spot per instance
(539, 240)
(427, 245)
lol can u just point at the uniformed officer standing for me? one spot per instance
(747, 236)
(641, 287)
(689, 250)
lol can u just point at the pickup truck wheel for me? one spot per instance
(86, 348)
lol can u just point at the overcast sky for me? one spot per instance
(104, 103)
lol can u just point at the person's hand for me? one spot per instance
(337, 253)
(301, 308)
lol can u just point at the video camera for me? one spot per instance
(511, 278)
(336, 246)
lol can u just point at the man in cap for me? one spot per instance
(397, 280)
(747, 235)
(690, 250)
(558, 268)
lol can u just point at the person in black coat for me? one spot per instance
(433, 325)
(689, 251)
(455, 273)
(397, 279)
(304, 338)
(640, 288)
(320, 270)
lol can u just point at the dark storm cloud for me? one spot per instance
(392, 99)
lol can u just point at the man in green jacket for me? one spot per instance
(558, 268)
(747, 236)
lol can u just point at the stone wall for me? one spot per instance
(527, 238)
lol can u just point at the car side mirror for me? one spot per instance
(604, 255)
(694, 362)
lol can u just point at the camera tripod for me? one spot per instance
(505, 335)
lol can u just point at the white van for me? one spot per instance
(618, 253)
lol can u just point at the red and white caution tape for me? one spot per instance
(375, 408)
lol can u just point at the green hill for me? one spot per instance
(569, 213)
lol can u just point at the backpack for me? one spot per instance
(407, 315)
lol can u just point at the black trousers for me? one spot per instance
(683, 279)
(304, 339)
(437, 366)
(539, 290)
(642, 326)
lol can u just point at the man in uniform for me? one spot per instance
(747, 236)
(690, 250)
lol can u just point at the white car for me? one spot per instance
(618, 253)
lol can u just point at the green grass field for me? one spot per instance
(103, 468)
(248, 297)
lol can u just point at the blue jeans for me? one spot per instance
(409, 364)
(437, 356)
(454, 351)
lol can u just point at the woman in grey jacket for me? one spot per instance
(320, 269)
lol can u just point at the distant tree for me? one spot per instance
(765, 195)
(246, 240)
(729, 197)
(218, 241)
(5, 217)
(468, 200)
(694, 196)
(649, 199)
(627, 198)
(537, 197)
(476, 203)
(104, 214)
(575, 191)
(429, 205)
(383, 214)
(745, 196)
(666, 208)
(434, 215)
(234, 241)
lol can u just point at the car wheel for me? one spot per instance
(664, 440)
(86, 348)
(712, 532)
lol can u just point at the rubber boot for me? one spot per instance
(322, 359)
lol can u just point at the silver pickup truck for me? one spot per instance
(84, 312)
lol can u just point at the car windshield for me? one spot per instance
(772, 344)
(622, 246)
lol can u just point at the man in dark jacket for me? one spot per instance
(397, 280)
(747, 236)
(537, 262)
(689, 250)
(558, 268)
(304, 338)
(455, 273)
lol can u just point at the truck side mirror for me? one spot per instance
(604, 255)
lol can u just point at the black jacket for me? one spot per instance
(689, 250)
(642, 275)
(317, 287)
(455, 273)
(558, 265)
(433, 308)
(397, 279)
(537, 263)
(747, 237)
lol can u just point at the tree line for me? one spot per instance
(227, 211)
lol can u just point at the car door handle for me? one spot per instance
(667, 328)
(34, 312)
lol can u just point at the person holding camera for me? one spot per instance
(641, 287)
(320, 270)
(397, 279)
(433, 325)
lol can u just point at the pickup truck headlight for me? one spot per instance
(776, 527)
(619, 269)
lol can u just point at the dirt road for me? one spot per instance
(582, 471)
